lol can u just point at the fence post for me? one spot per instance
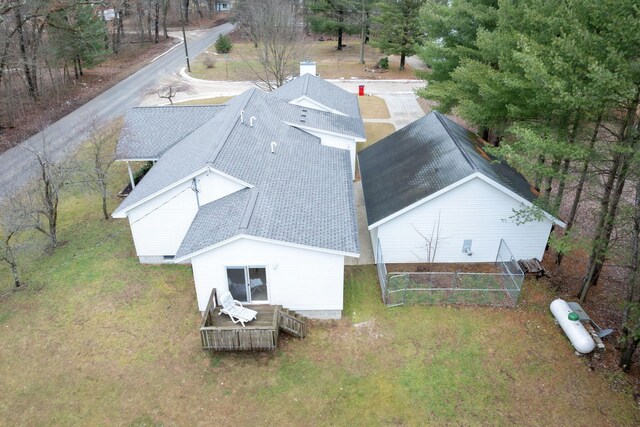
(404, 293)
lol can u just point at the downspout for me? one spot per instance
(194, 187)
(133, 184)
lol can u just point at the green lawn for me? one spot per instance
(98, 339)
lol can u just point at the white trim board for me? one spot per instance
(321, 106)
(264, 240)
(123, 213)
(324, 131)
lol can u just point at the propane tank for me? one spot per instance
(570, 323)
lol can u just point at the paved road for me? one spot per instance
(16, 164)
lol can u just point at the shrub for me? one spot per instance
(223, 44)
(384, 63)
(209, 61)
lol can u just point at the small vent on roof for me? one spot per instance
(302, 121)
(273, 147)
(304, 111)
(251, 120)
(241, 116)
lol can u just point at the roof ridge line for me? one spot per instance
(227, 131)
(305, 86)
(455, 141)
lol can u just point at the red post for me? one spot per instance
(361, 90)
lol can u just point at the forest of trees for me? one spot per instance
(555, 86)
(45, 45)
(392, 25)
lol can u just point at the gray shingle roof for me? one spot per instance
(304, 190)
(308, 117)
(423, 158)
(321, 91)
(150, 131)
(190, 154)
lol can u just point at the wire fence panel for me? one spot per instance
(382, 272)
(488, 289)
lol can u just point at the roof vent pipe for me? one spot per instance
(273, 147)
(241, 116)
(251, 120)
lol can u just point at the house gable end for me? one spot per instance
(517, 198)
(233, 184)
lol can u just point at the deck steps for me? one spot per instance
(292, 323)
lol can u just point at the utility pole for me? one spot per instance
(184, 37)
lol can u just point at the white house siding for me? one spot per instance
(476, 211)
(342, 142)
(374, 242)
(213, 186)
(159, 225)
(304, 280)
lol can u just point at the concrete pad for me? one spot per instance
(364, 238)
(403, 108)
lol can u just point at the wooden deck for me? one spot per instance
(220, 333)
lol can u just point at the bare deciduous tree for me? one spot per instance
(101, 144)
(277, 31)
(170, 88)
(431, 241)
(52, 174)
(12, 223)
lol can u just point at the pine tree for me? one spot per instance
(333, 17)
(398, 28)
(223, 44)
(558, 80)
(77, 35)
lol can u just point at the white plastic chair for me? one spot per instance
(235, 310)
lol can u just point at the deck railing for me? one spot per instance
(219, 333)
(292, 323)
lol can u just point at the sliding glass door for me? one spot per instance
(248, 284)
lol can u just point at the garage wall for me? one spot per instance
(476, 211)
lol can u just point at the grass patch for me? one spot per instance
(207, 101)
(99, 339)
(373, 107)
(331, 63)
(375, 132)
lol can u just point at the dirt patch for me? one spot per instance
(480, 267)
(603, 305)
